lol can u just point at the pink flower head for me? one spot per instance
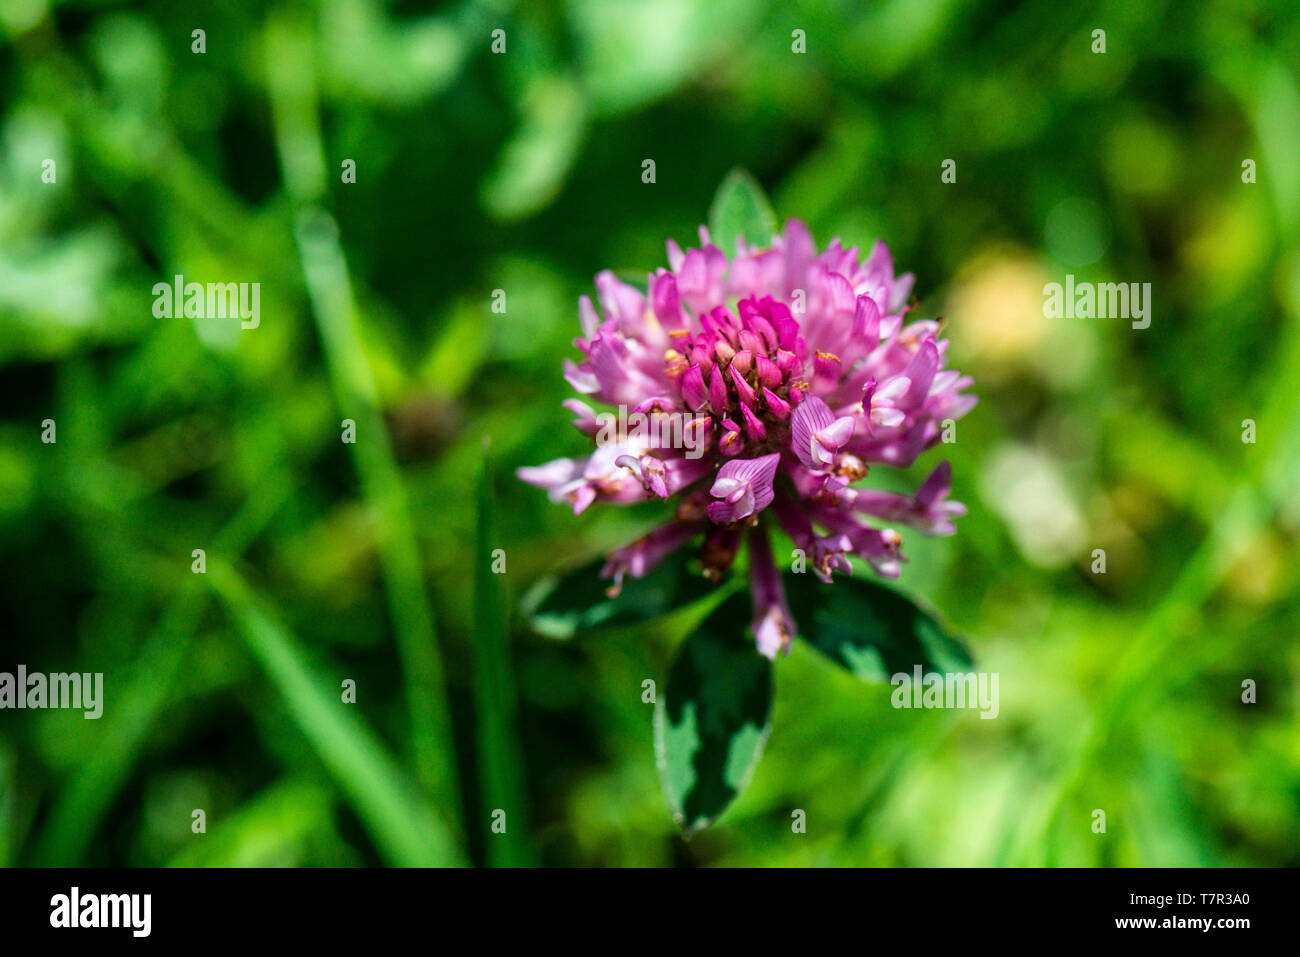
(803, 374)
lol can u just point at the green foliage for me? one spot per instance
(409, 833)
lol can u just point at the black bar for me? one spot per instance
(329, 907)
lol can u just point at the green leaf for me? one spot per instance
(740, 208)
(579, 601)
(871, 630)
(713, 717)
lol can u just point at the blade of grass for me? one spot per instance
(87, 796)
(291, 82)
(9, 836)
(405, 829)
(498, 747)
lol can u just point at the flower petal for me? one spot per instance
(809, 417)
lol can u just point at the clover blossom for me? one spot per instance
(798, 373)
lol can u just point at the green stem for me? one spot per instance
(498, 748)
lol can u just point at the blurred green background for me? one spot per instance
(521, 171)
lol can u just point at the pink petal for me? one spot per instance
(810, 417)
